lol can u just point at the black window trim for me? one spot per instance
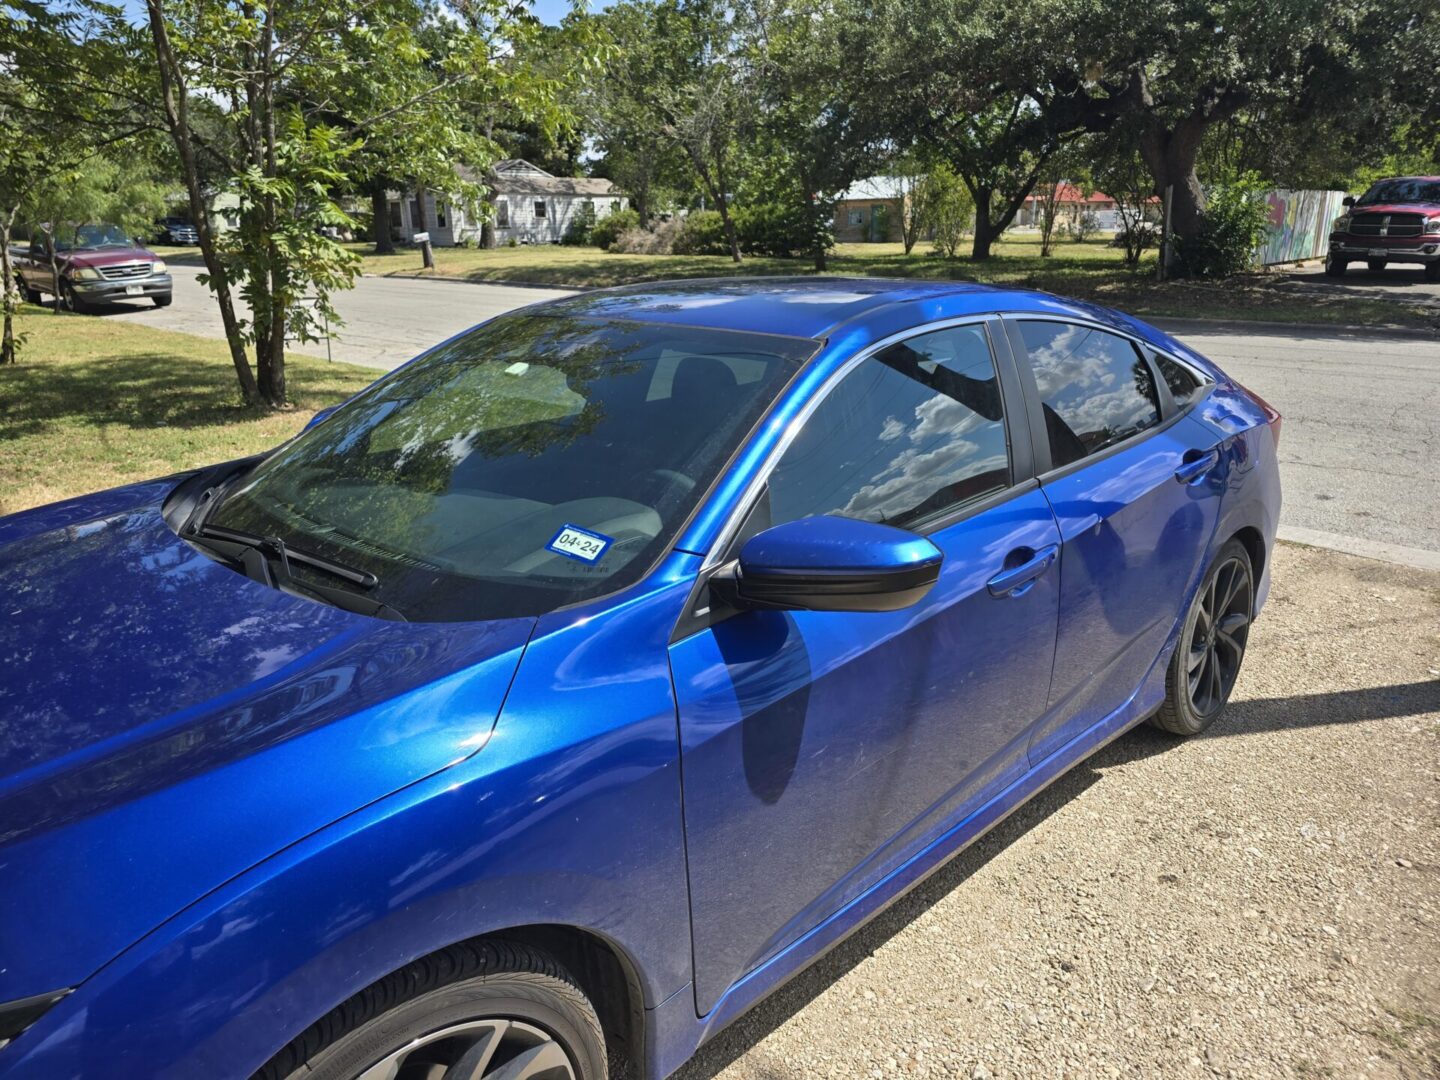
(1040, 444)
(1019, 442)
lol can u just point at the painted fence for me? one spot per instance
(1299, 225)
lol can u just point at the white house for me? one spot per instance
(531, 206)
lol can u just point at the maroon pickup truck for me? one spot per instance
(1396, 221)
(97, 264)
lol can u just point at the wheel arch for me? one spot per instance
(1254, 543)
(606, 974)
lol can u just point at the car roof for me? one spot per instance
(808, 307)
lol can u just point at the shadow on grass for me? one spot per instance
(1260, 716)
(139, 390)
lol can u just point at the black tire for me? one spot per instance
(1432, 271)
(1375, 265)
(1335, 267)
(69, 301)
(161, 299)
(1211, 648)
(32, 296)
(531, 1000)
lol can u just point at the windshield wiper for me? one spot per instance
(267, 559)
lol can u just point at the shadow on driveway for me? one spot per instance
(1254, 717)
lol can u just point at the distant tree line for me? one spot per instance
(755, 114)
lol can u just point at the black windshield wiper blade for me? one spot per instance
(273, 547)
(267, 559)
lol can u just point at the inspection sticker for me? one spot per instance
(576, 543)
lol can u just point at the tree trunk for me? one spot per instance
(380, 219)
(54, 266)
(1171, 156)
(11, 295)
(984, 235)
(175, 100)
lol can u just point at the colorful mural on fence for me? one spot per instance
(1299, 224)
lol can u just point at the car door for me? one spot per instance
(822, 749)
(35, 266)
(1135, 485)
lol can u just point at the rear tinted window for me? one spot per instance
(1094, 387)
(1184, 384)
(533, 463)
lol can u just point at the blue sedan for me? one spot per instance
(564, 692)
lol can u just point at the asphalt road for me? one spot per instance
(1361, 437)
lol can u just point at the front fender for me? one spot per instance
(569, 816)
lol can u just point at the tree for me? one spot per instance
(955, 80)
(619, 109)
(808, 129)
(1121, 173)
(302, 91)
(946, 209)
(62, 104)
(1176, 71)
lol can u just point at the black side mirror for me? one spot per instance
(1349, 200)
(832, 564)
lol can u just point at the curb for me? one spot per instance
(1379, 550)
(506, 282)
(1184, 324)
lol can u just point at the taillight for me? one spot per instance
(1272, 414)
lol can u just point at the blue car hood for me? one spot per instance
(167, 723)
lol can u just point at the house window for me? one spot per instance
(857, 217)
(440, 210)
(539, 208)
(502, 214)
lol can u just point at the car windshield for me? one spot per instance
(93, 236)
(1402, 191)
(537, 461)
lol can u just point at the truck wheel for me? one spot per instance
(1432, 271)
(1335, 267)
(69, 301)
(161, 299)
(1375, 265)
(32, 296)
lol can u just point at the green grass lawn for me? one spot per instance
(95, 403)
(1092, 270)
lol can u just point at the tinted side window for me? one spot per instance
(1094, 388)
(910, 434)
(1183, 383)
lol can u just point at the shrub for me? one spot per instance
(611, 226)
(657, 241)
(1233, 228)
(582, 224)
(777, 229)
(701, 233)
(946, 209)
(1082, 226)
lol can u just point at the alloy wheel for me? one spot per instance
(1217, 637)
(489, 1049)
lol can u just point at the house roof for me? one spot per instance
(1071, 195)
(872, 188)
(515, 176)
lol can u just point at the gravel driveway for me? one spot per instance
(1258, 902)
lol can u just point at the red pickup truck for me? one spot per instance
(96, 264)
(1396, 221)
